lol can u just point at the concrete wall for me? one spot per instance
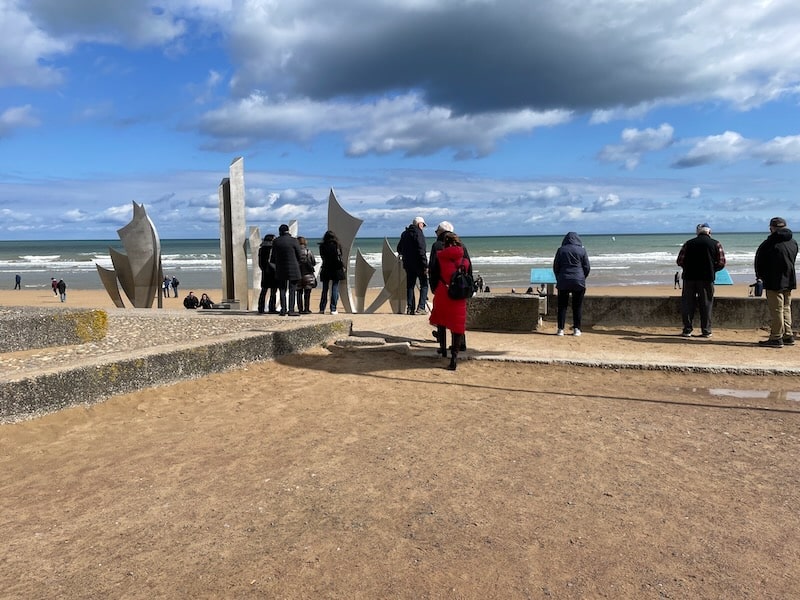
(27, 328)
(518, 312)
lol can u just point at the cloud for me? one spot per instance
(401, 124)
(480, 56)
(636, 142)
(17, 117)
(693, 193)
(604, 203)
(731, 147)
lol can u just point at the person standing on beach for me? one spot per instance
(775, 267)
(286, 256)
(700, 257)
(175, 284)
(61, 286)
(677, 284)
(413, 251)
(435, 278)
(18, 282)
(449, 313)
(571, 267)
(308, 280)
(268, 281)
(54, 285)
(332, 270)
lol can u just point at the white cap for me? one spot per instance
(418, 220)
(444, 226)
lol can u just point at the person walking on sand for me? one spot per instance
(175, 283)
(54, 285)
(571, 268)
(677, 284)
(413, 251)
(18, 282)
(286, 256)
(449, 313)
(775, 267)
(332, 271)
(700, 257)
(61, 286)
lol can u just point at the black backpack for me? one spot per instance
(461, 285)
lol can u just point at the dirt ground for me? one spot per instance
(337, 474)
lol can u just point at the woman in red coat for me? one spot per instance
(448, 313)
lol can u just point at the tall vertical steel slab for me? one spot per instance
(233, 237)
(345, 226)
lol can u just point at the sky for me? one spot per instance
(505, 117)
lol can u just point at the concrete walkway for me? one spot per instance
(149, 348)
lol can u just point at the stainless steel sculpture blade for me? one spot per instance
(109, 279)
(394, 281)
(232, 225)
(345, 226)
(255, 242)
(364, 273)
(143, 249)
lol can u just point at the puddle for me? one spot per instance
(756, 394)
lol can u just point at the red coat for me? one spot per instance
(446, 311)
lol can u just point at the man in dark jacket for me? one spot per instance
(774, 263)
(286, 257)
(701, 257)
(413, 250)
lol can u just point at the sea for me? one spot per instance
(503, 262)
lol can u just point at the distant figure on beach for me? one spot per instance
(165, 286)
(18, 282)
(775, 266)
(54, 285)
(447, 312)
(413, 251)
(268, 281)
(756, 289)
(486, 290)
(435, 278)
(175, 283)
(571, 267)
(286, 256)
(61, 286)
(308, 281)
(541, 290)
(701, 257)
(677, 284)
(191, 301)
(332, 271)
(205, 301)
(479, 284)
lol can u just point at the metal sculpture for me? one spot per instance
(232, 241)
(138, 270)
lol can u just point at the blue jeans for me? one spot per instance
(334, 286)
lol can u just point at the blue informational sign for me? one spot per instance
(543, 276)
(723, 278)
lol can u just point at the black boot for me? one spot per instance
(441, 335)
(454, 352)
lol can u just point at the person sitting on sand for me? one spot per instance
(205, 301)
(191, 301)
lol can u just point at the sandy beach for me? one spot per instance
(346, 474)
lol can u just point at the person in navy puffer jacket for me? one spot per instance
(571, 267)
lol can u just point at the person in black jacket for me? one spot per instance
(774, 264)
(268, 281)
(286, 258)
(413, 251)
(332, 271)
(571, 268)
(701, 257)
